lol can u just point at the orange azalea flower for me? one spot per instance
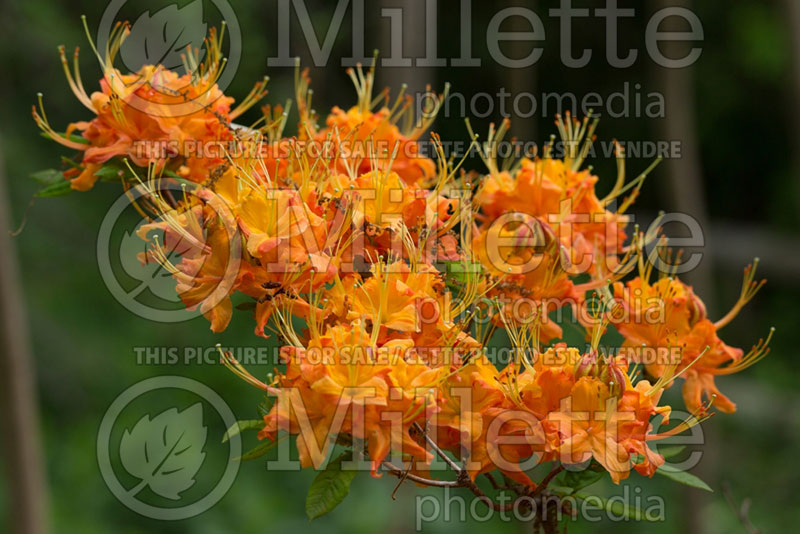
(355, 370)
(363, 140)
(339, 370)
(642, 400)
(588, 408)
(562, 195)
(278, 228)
(472, 400)
(668, 314)
(588, 423)
(209, 270)
(153, 115)
(301, 411)
(542, 387)
(373, 364)
(372, 138)
(391, 296)
(411, 400)
(383, 210)
(526, 258)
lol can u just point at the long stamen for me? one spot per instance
(759, 351)
(749, 289)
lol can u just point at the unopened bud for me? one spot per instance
(615, 377)
(697, 310)
(588, 365)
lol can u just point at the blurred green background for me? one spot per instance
(736, 111)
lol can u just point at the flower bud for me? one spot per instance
(614, 377)
(587, 365)
(697, 310)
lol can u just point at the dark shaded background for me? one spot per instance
(736, 112)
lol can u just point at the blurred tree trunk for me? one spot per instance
(792, 12)
(684, 188)
(522, 80)
(27, 496)
(684, 192)
(415, 14)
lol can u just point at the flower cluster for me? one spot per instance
(387, 276)
(149, 117)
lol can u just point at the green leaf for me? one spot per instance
(561, 491)
(670, 451)
(683, 477)
(329, 488)
(179, 179)
(72, 137)
(461, 270)
(617, 507)
(55, 189)
(240, 426)
(48, 176)
(247, 305)
(458, 273)
(110, 173)
(580, 479)
(261, 449)
(265, 406)
(72, 163)
(78, 139)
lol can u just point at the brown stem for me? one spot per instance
(395, 471)
(457, 468)
(547, 479)
(463, 479)
(743, 512)
(494, 483)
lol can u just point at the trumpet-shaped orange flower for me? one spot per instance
(180, 123)
(668, 315)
